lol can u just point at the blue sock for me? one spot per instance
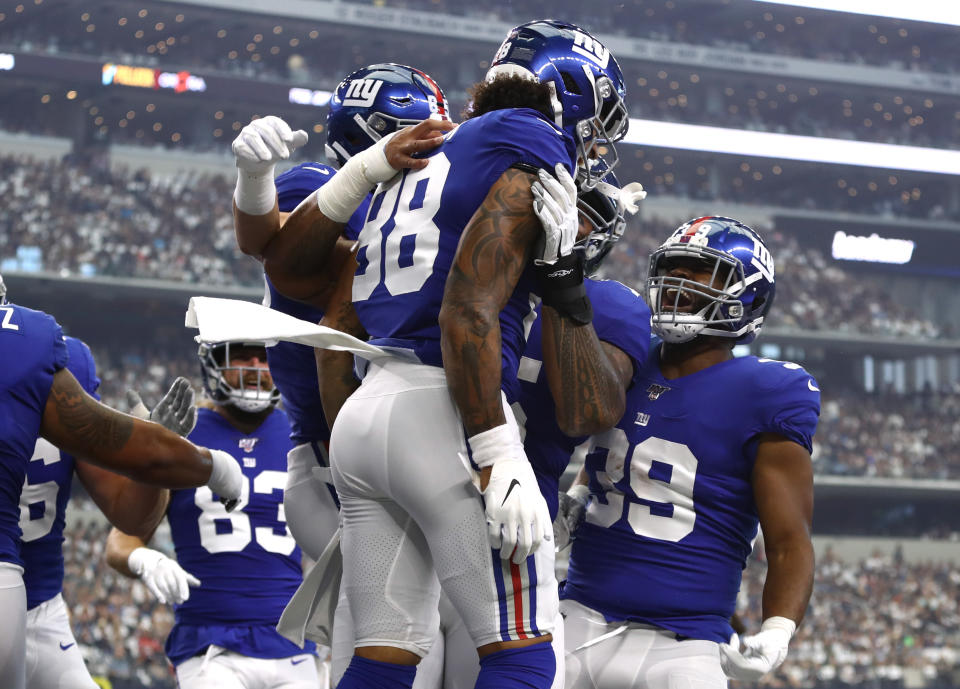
(531, 667)
(363, 673)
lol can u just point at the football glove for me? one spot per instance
(573, 509)
(555, 204)
(763, 652)
(226, 478)
(518, 520)
(265, 142)
(175, 412)
(166, 579)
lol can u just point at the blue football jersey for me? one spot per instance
(246, 560)
(43, 502)
(33, 350)
(415, 222)
(292, 366)
(665, 542)
(620, 317)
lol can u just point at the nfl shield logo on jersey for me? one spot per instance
(247, 444)
(655, 390)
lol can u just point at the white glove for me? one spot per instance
(573, 509)
(763, 652)
(167, 580)
(630, 196)
(555, 204)
(226, 478)
(518, 519)
(175, 412)
(259, 147)
(265, 142)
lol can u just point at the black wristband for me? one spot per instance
(562, 288)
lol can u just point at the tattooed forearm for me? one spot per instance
(88, 423)
(493, 253)
(588, 387)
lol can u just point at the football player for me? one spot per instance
(401, 96)
(710, 446)
(41, 398)
(450, 243)
(53, 660)
(242, 567)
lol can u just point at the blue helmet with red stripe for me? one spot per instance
(585, 81)
(376, 101)
(733, 302)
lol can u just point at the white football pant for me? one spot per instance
(413, 519)
(312, 514)
(225, 669)
(639, 657)
(13, 612)
(53, 659)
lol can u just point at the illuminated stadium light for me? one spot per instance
(935, 11)
(7, 62)
(695, 137)
(302, 96)
(874, 249)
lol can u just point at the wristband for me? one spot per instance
(781, 624)
(340, 197)
(256, 193)
(495, 444)
(562, 288)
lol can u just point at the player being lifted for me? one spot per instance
(243, 567)
(41, 398)
(452, 243)
(709, 446)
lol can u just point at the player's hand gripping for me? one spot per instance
(166, 579)
(265, 142)
(175, 412)
(518, 520)
(420, 138)
(762, 652)
(572, 510)
(555, 204)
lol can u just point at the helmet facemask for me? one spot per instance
(256, 391)
(607, 126)
(599, 209)
(721, 308)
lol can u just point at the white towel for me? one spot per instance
(309, 614)
(221, 320)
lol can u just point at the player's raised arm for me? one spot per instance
(144, 451)
(588, 378)
(292, 257)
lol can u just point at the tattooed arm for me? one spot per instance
(588, 378)
(335, 369)
(494, 250)
(144, 451)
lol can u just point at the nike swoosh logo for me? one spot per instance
(64, 648)
(813, 388)
(295, 661)
(513, 483)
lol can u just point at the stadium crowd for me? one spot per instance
(81, 218)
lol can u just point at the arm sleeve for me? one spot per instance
(792, 408)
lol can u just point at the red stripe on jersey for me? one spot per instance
(517, 599)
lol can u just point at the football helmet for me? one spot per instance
(215, 360)
(585, 81)
(740, 292)
(598, 206)
(378, 100)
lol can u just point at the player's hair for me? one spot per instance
(508, 91)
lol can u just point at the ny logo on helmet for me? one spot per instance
(362, 92)
(591, 48)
